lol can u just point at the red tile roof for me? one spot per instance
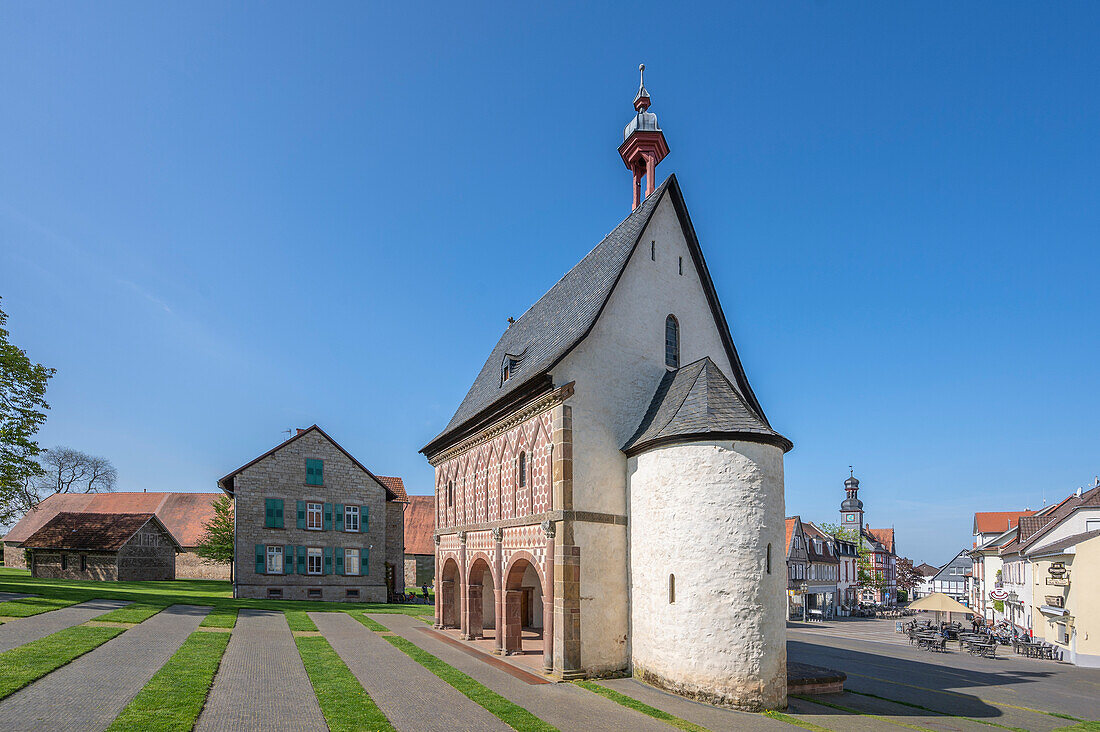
(884, 537)
(994, 522)
(91, 531)
(396, 486)
(419, 525)
(183, 514)
(791, 522)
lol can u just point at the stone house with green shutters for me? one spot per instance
(313, 523)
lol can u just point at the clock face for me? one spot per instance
(850, 517)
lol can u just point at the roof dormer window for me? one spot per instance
(509, 365)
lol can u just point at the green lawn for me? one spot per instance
(632, 703)
(174, 697)
(138, 612)
(27, 663)
(298, 620)
(344, 702)
(217, 593)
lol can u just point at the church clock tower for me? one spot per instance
(851, 509)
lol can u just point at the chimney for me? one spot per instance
(300, 431)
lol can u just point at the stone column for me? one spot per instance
(567, 556)
(498, 589)
(438, 586)
(650, 172)
(548, 600)
(474, 623)
(462, 597)
(637, 188)
(513, 623)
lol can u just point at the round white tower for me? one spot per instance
(707, 545)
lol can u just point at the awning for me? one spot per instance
(1049, 610)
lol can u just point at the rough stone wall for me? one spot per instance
(707, 513)
(419, 570)
(13, 556)
(100, 565)
(283, 475)
(148, 556)
(395, 541)
(189, 565)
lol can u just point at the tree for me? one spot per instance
(216, 544)
(65, 470)
(907, 576)
(22, 412)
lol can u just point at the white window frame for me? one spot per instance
(318, 510)
(351, 567)
(349, 512)
(273, 553)
(312, 552)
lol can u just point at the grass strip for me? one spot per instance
(28, 606)
(841, 707)
(933, 711)
(507, 711)
(137, 612)
(1082, 727)
(372, 624)
(780, 716)
(20, 666)
(174, 697)
(632, 703)
(344, 702)
(220, 617)
(298, 620)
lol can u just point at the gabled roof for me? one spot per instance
(883, 537)
(419, 525)
(791, 524)
(927, 570)
(396, 486)
(697, 401)
(1035, 530)
(563, 317)
(1063, 544)
(812, 532)
(226, 483)
(989, 522)
(92, 531)
(185, 515)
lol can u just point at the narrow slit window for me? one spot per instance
(681, 266)
(653, 251)
(671, 589)
(672, 342)
(768, 560)
(522, 469)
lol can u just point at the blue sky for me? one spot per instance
(221, 221)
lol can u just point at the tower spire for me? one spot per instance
(643, 142)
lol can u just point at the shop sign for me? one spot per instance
(998, 593)
(1057, 569)
(1058, 581)
(1055, 601)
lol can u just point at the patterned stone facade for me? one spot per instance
(281, 475)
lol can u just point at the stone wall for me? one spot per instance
(283, 475)
(708, 573)
(419, 570)
(395, 541)
(13, 556)
(189, 565)
(149, 555)
(46, 563)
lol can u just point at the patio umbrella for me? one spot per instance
(940, 603)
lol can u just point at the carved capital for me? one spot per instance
(549, 528)
(437, 539)
(498, 534)
(462, 537)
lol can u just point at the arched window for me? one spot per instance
(522, 469)
(768, 560)
(672, 342)
(671, 589)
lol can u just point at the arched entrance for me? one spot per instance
(523, 609)
(448, 594)
(481, 599)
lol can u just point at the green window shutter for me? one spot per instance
(339, 561)
(314, 472)
(269, 513)
(339, 517)
(278, 513)
(288, 560)
(364, 519)
(301, 560)
(301, 514)
(328, 561)
(260, 559)
(364, 561)
(328, 517)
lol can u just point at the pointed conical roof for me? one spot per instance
(696, 402)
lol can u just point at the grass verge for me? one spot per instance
(933, 711)
(372, 624)
(344, 702)
(821, 702)
(174, 697)
(508, 712)
(632, 703)
(28, 606)
(20, 666)
(220, 617)
(780, 716)
(1082, 727)
(298, 620)
(138, 612)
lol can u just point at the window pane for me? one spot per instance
(351, 561)
(274, 560)
(351, 518)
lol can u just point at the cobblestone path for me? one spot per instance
(411, 696)
(261, 684)
(89, 693)
(24, 630)
(566, 706)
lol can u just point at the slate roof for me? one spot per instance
(419, 525)
(562, 317)
(1031, 535)
(1063, 544)
(185, 515)
(90, 531)
(989, 522)
(695, 401)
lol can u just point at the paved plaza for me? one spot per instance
(261, 683)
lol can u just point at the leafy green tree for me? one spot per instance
(22, 412)
(216, 545)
